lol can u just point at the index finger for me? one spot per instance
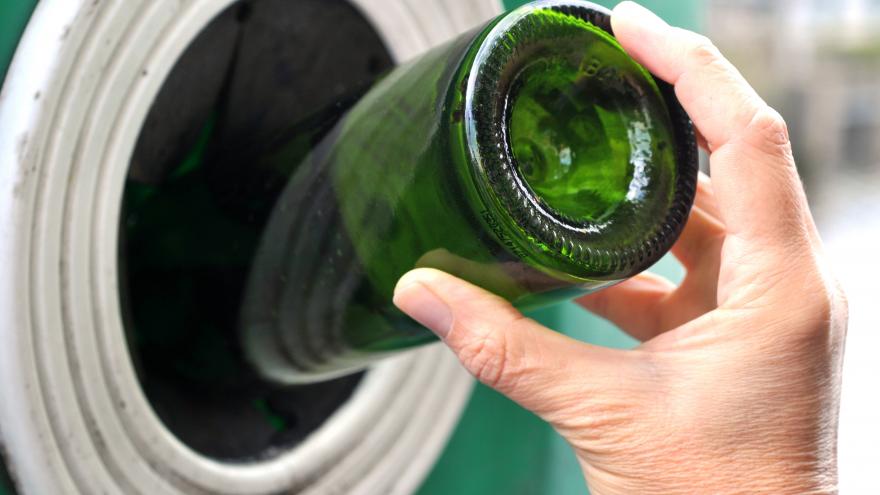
(756, 184)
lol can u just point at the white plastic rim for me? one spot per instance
(73, 418)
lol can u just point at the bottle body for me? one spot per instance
(531, 157)
(377, 197)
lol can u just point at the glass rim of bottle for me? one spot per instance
(495, 171)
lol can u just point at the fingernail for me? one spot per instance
(636, 11)
(422, 305)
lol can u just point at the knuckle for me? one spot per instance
(841, 317)
(767, 134)
(770, 127)
(841, 300)
(819, 310)
(818, 306)
(703, 52)
(488, 358)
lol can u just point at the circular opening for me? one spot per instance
(262, 83)
(584, 122)
(603, 157)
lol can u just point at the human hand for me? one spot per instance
(735, 388)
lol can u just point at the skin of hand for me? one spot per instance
(735, 387)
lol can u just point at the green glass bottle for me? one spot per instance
(532, 157)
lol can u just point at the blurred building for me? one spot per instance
(818, 63)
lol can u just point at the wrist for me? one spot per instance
(768, 478)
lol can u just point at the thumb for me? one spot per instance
(544, 371)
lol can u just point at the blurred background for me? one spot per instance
(818, 63)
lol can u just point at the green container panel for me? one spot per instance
(14, 15)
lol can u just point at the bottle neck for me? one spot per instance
(581, 158)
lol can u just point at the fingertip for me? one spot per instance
(629, 16)
(629, 10)
(413, 296)
(644, 36)
(621, 19)
(416, 276)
